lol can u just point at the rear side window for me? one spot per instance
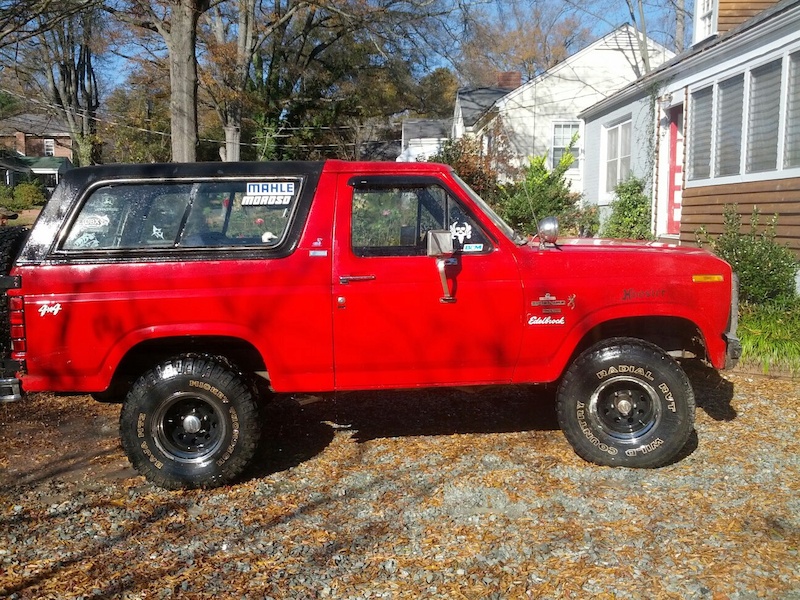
(193, 215)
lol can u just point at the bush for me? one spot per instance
(630, 212)
(6, 196)
(29, 193)
(543, 193)
(770, 335)
(766, 269)
(23, 197)
(464, 155)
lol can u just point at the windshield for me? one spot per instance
(507, 230)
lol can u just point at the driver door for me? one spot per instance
(391, 327)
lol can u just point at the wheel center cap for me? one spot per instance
(623, 404)
(191, 424)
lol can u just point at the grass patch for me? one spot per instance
(770, 335)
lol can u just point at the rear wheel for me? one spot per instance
(625, 402)
(190, 422)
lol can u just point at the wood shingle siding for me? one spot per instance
(703, 207)
(732, 14)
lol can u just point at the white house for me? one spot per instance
(540, 117)
(717, 125)
(422, 138)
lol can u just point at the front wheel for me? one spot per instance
(625, 402)
(190, 422)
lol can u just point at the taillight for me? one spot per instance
(16, 306)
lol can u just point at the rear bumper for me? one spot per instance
(10, 389)
(10, 385)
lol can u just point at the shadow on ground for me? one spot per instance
(298, 428)
(713, 394)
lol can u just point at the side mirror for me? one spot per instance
(440, 247)
(439, 243)
(548, 231)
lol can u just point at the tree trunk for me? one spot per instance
(680, 26)
(181, 44)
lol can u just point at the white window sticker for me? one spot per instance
(269, 193)
(95, 222)
(473, 247)
(461, 232)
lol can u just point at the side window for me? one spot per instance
(392, 221)
(162, 222)
(167, 215)
(101, 221)
(240, 213)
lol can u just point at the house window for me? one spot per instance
(705, 19)
(49, 147)
(763, 122)
(618, 154)
(728, 146)
(563, 134)
(792, 137)
(747, 125)
(700, 133)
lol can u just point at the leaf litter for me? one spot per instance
(424, 494)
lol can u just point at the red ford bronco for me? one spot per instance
(177, 288)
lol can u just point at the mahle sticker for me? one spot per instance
(269, 193)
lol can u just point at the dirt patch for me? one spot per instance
(70, 438)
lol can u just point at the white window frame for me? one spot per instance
(49, 147)
(575, 127)
(782, 171)
(705, 19)
(608, 187)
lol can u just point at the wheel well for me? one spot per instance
(144, 356)
(676, 336)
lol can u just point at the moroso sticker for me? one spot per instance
(546, 320)
(271, 193)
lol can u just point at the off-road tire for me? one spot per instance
(625, 402)
(192, 421)
(11, 239)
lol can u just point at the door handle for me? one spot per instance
(345, 279)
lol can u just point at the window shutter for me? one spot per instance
(700, 134)
(792, 146)
(728, 145)
(763, 118)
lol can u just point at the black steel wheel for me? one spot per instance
(625, 402)
(190, 422)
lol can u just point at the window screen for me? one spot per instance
(763, 122)
(728, 148)
(700, 119)
(792, 146)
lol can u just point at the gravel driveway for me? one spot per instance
(444, 494)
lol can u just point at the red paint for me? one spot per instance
(519, 314)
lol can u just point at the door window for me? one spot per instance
(393, 221)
